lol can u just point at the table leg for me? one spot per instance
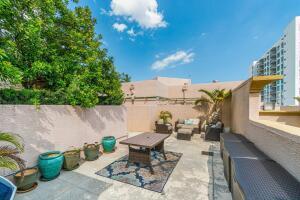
(149, 161)
(161, 148)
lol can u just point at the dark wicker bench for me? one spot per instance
(239, 150)
(262, 180)
(231, 137)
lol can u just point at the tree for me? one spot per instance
(215, 100)
(11, 147)
(125, 78)
(52, 47)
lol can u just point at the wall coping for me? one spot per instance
(283, 130)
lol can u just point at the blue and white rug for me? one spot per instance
(139, 175)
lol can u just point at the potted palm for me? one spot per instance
(166, 116)
(25, 179)
(215, 100)
(91, 151)
(71, 159)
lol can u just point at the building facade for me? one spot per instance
(283, 58)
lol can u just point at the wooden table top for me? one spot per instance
(148, 140)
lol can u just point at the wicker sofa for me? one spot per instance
(196, 127)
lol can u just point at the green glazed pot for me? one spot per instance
(91, 151)
(108, 143)
(28, 181)
(50, 164)
(71, 159)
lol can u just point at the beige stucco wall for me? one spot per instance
(143, 117)
(61, 127)
(240, 108)
(173, 81)
(147, 88)
(288, 120)
(193, 90)
(172, 88)
(279, 141)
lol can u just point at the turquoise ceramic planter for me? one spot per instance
(50, 164)
(108, 143)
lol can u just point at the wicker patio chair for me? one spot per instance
(163, 128)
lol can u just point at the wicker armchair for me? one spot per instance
(213, 132)
(163, 128)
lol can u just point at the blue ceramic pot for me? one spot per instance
(50, 164)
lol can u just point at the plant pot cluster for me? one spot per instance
(50, 163)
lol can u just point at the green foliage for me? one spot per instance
(47, 46)
(125, 78)
(165, 116)
(215, 100)
(10, 147)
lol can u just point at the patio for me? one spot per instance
(195, 176)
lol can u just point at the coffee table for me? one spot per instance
(145, 142)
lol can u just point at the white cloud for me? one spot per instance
(119, 27)
(131, 32)
(144, 12)
(178, 58)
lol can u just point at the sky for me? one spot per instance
(203, 40)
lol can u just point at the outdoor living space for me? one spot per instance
(196, 176)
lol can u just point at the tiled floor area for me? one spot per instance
(196, 176)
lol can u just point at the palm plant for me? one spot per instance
(11, 146)
(215, 100)
(165, 115)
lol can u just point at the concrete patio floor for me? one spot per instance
(196, 176)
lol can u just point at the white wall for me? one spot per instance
(61, 127)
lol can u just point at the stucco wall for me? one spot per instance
(143, 117)
(60, 127)
(278, 142)
(193, 90)
(147, 88)
(240, 108)
(270, 134)
(288, 120)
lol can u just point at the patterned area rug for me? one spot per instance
(139, 175)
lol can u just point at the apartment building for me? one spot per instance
(283, 58)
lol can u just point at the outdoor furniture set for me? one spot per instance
(145, 143)
(187, 128)
(161, 127)
(213, 131)
(253, 175)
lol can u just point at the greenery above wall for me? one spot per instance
(55, 54)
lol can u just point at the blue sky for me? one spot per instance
(203, 40)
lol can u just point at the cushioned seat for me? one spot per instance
(184, 134)
(262, 179)
(239, 150)
(231, 137)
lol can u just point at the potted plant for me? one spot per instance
(91, 151)
(50, 164)
(108, 143)
(214, 100)
(27, 181)
(11, 145)
(165, 116)
(10, 148)
(71, 159)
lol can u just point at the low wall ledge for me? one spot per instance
(283, 130)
